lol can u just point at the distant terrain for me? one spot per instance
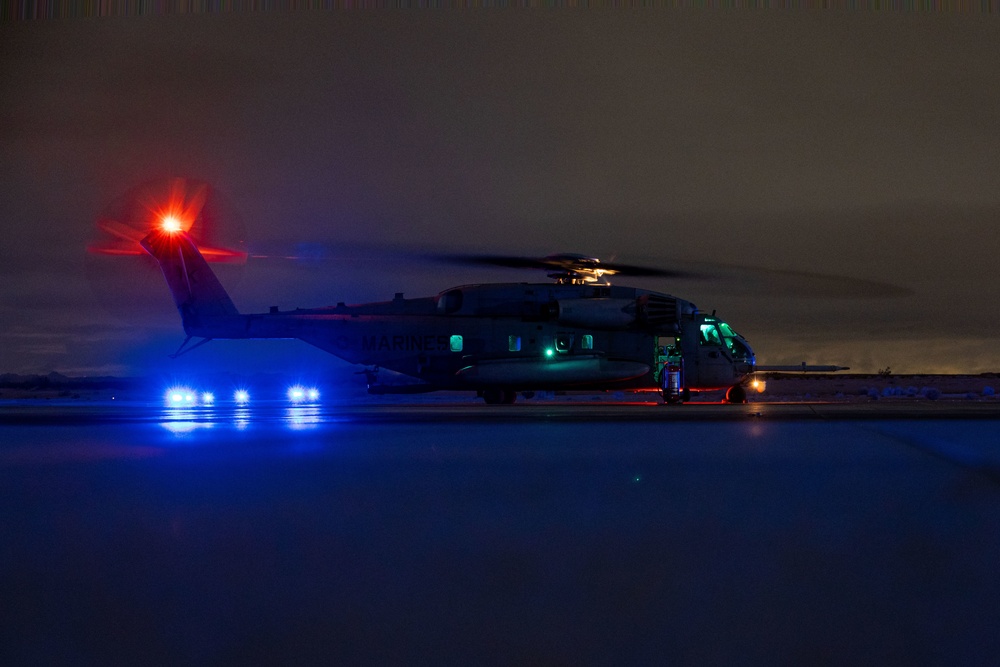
(57, 385)
(860, 387)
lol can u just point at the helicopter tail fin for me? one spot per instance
(205, 307)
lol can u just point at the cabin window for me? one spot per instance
(456, 343)
(587, 342)
(514, 343)
(564, 343)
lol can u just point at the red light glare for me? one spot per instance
(169, 207)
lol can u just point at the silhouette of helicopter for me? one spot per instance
(577, 332)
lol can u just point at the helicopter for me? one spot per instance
(577, 332)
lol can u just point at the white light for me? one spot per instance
(179, 396)
(171, 224)
(314, 394)
(241, 396)
(208, 398)
(296, 394)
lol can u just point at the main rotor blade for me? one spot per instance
(733, 279)
(193, 209)
(753, 281)
(123, 232)
(562, 263)
(650, 272)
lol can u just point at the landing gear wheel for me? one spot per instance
(672, 398)
(499, 396)
(493, 396)
(736, 394)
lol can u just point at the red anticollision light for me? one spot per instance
(171, 224)
(169, 207)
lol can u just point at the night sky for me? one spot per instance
(861, 144)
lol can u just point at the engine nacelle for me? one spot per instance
(597, 313)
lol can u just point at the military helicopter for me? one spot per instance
(577, 332)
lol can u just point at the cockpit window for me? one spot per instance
(739, 349)
(734, 342)
(710, 335)
(450, 301)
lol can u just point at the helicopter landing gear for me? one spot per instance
(736, 394)
(499, 396)
(671, 398)
(676, 397)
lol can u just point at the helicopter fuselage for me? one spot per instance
(495, 339)
(514, 337)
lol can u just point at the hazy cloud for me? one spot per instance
(855, 144)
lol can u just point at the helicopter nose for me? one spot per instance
(749, 357)
(741, 350)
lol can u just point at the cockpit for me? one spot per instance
(716, 333)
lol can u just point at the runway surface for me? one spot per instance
(456, 533)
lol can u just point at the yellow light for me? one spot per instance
(171, 224)
(759, 385)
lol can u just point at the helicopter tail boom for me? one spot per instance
(205, 307)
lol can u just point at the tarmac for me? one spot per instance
(545, 532)
(76, 412)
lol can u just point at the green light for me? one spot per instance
(549, 352)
